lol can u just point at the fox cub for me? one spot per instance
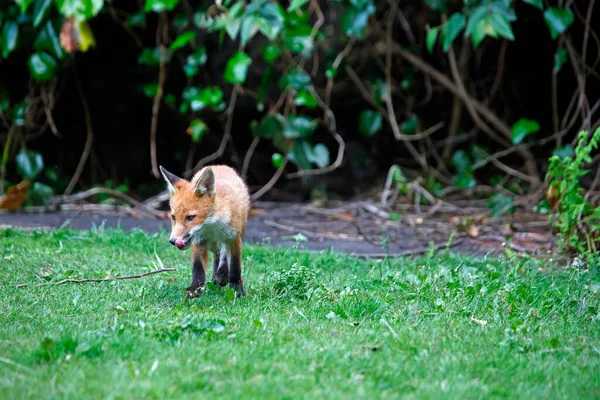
(210, 213)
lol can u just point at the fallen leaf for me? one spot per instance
(14, 196)
(345, 216)
(455, 220)
(473, 231)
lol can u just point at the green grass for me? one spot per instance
(339, 328)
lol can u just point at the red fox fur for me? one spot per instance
(210, 213)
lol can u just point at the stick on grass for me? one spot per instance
(156, 271)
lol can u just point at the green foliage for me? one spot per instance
(369, 122)
(29, 164)
(237, 68)
(558, 20)
(9, 37)
(577, 220)
(356, 16)
(82, 9)
(182, 40)
(463, 166)
(294, 281)
(197, 129)
(277, 160)
(160, 5)
(523, 128)
(42, 66)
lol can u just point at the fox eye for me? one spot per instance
(172, 217)
(190, 218)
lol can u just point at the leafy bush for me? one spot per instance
(576, 219)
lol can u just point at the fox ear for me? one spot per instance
(206, 183)
(170, 178)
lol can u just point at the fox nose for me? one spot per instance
(172, 241)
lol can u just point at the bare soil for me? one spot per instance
(357, 228)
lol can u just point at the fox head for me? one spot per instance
(191, 203)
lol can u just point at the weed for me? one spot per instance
(576, 219)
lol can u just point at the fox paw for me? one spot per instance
(238, 287)
(193, 292)
(220, 281)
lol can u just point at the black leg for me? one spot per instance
(235, 268)
(220, 269)
(199, 261)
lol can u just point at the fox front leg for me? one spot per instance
(199, 262)
(220, 269)
(234, 256)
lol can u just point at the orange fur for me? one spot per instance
(231, 196)
(210, 213)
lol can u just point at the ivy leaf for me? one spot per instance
(437, 5)
(150, 57)
(462, 162)
(432, 35)
(320, 155)
(18, 114)
(197, 129)
(48, 40)
(272, 20)
(270, 52)
(270, 126)
(232, 27)
(248, 28)
(10, 36)
(369, 122)
(452, 28)
(182, 40)
(297, 80)
(523, 128)
(160, 5)
(276, 160)
(306, 99)
(40, 194)
(476, 16)
(298, 126)
(294, 4)
(536, 3)
(479, 32)
(42, 66)
(502, 26)
(300, 154)
(207, 97)
(82, 9)
(237, 68)
(560, 58)
(409, 127)
(298, 40)
(354, 21)
(23, 5)
(29, 163)
(558, 20)
(40, 11)
(195, 61)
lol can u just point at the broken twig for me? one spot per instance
(110, 278)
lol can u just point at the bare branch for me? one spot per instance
(156, 271)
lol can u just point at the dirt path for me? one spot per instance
(358, 229)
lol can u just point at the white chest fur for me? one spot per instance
(215, 231)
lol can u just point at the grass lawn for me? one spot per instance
(313, 325)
